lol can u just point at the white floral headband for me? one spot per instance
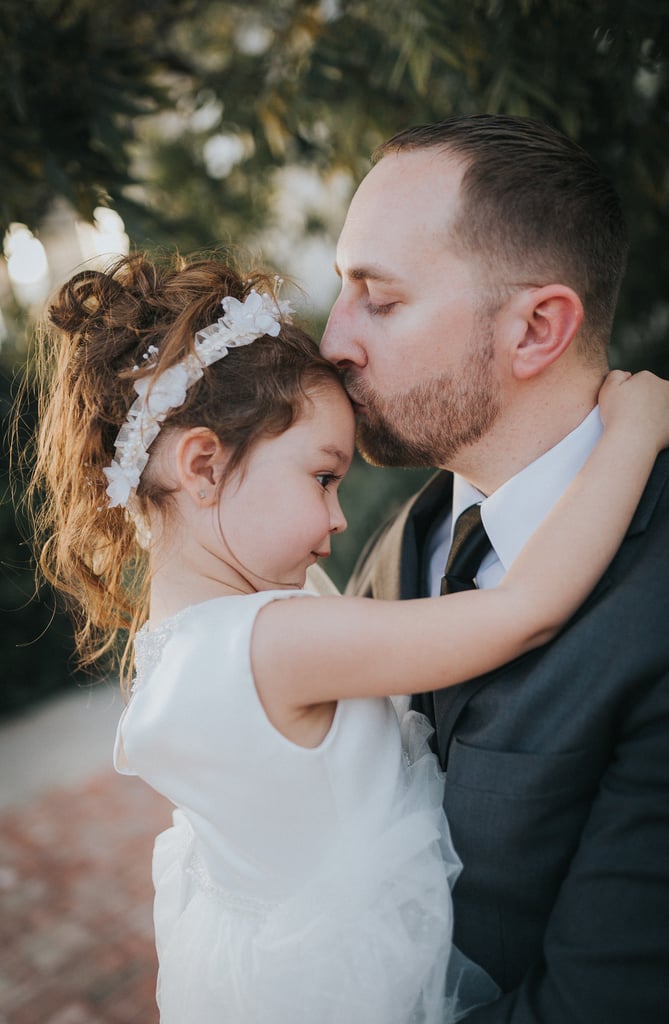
(241, 324)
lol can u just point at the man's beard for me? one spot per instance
(429, 424)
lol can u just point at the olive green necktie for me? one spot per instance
(469, 547)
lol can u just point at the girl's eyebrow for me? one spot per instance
(340, 456)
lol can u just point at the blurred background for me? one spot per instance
(194, 124)
(198, 124)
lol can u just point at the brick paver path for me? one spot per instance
(76, 936)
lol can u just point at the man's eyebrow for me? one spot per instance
(372, 272)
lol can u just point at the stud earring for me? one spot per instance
(202, 494)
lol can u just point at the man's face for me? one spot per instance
(410, 329)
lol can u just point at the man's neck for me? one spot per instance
(517, 439)
(515, 509)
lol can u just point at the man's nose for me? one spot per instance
(341, 343)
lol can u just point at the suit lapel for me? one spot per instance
(396, 571)
(386, 570)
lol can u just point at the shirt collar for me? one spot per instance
(513, 512)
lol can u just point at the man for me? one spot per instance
(480, 264)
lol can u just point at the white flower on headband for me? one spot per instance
(167, 391)
(159, 393)
(120, 484)
(250, 319)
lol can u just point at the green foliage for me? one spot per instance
(117, 103)
(37, 638)
(120, 104)
(327, 90)
(75, 77)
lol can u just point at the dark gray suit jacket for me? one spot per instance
(557, 786)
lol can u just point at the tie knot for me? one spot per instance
(469, 547)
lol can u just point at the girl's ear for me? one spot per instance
(200, 461)
(544, 323)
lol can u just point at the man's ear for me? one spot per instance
(200, 463)
(544, 323)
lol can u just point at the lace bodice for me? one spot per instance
(150, 643)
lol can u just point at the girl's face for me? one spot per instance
(278, 512)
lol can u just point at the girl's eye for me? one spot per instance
(325, 479)
(375, 310)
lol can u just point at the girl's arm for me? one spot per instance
(307, 653)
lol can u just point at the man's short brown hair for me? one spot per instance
(535, 209)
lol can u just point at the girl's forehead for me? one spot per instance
(328, 404)
(327, 420)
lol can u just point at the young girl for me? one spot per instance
(191, 449)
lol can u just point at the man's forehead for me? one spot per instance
(409, 172)
(405, 194)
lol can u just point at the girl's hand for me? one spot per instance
(638, 404)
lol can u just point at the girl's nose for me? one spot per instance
(337, 518)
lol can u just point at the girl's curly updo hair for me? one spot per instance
(100, 327)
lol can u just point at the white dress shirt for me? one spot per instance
(513, 512)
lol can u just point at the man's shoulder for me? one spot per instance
(659, 476)
(655, 498)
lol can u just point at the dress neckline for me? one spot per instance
(149, 643)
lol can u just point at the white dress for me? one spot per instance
(296, 886)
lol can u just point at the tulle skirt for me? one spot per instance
(367, 939)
